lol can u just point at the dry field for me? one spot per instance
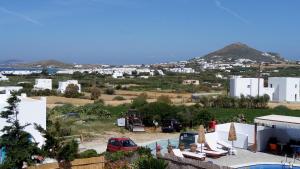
(181, 98)
(293, 106)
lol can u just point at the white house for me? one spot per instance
(3, 78)
(286, 89)
(191, 82)
(43, 84)
(63, 85)
(117, 75)
(281, 89)
(30, 111)
(11, 88)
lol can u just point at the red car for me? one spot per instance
(121, 144)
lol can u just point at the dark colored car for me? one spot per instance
(121, 144)
(187, 138)
(171, 125)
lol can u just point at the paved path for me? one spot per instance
(248, 157)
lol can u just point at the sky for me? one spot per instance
(144, 31)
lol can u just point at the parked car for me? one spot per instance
(121, 144)
(171, 125)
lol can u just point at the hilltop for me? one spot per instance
(46, 63)
(240, 51)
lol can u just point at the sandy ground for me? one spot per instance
(181, 98)
(141, 138)
(293, 106)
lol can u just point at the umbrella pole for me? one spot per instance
(201, 148)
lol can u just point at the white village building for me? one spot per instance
(11, 88)
(281, 89)
(63, 85)
(43, 84)
(3, 78)
(30, 111)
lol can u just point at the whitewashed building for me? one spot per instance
(191, 82)
(30, 111)
(63, 85)
(43, 84)
(286, 89)
(117, 75)
(3, 78)
(281, 89)
(10, 88)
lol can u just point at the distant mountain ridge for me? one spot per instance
(240, 51)
(46, 63)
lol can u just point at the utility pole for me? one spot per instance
(259, 74)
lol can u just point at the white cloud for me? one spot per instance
(19, 15)
(231, 12)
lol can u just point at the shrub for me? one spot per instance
(144, 151)
(88, 154)
(118, 87)
(150, 163)
(204, 117)
(139, 101)
(164, 99)
(95, 93)
(119, 98)
(110, 91)
(72, 91)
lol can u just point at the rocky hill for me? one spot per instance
(242, 52)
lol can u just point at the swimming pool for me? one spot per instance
(163, 144)
(269, 166)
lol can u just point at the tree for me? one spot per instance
(45, 72)
(204, 117)
(19, 147)
(72, 91)
(56, 146)
(139, 101)
(95, 93)
(164, 99)
(205, 101)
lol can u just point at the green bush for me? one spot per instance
(88, 154)
(119, 98)
(144, 151)
(148, 162)
(110, 91)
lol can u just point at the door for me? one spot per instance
(113, 145)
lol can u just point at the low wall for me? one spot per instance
(179, 163)
(87, 163)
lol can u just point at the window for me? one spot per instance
(249, 86)
(271, 85)
(296, 86)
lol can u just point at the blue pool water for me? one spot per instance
(269, 166)
(163, 144)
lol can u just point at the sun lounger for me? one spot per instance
(214, 154)
(215, 148)
(224, 144)
(196, 156)
(229, 147)
(177, 153)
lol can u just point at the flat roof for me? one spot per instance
(278, 120)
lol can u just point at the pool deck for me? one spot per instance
(246, 158)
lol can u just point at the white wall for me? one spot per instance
(63, 85)
(43, 84)
(286, 89)
(30, 111)
(246, 86)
